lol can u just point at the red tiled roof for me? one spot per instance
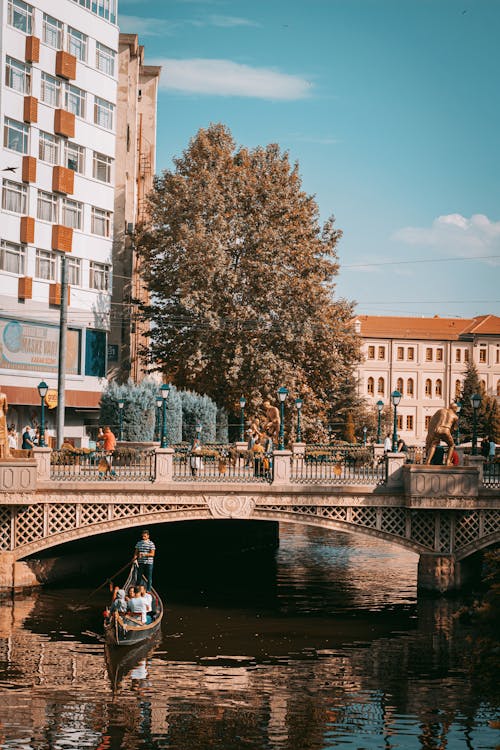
(448, 329)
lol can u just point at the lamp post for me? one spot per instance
(198, 428)
(365, 430)
(298, 406)
(380, 406)
(459, 409)
(282, 394)
(475, 403)
(165, 393)
(159, 402)
(395, 399)
(42, 390)
(121, 404)
(242, 417)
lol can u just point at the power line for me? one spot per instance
(420, 260)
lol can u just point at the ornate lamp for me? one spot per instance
(42, 392)
(165, 393)
(282, 394)
(396, 397)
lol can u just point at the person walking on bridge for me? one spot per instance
(144, 555)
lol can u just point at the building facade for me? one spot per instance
(58, 98)
(135, 168)
(425, 360)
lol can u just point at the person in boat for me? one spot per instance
(148, 599)
(119, 603)
(144, 555)
(136, 607)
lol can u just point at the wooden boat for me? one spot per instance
(121, 661)
(125, 630)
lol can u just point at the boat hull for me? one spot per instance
(119, 630)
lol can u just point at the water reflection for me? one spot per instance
(333, 652)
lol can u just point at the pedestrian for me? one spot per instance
(492, 449)
(455, 458)
(485, 447)
(387, 444)
(109, 445)
(12, 437)
(195, 458)
(27, 443)
(144, 555)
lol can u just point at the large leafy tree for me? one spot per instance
(241, 276)
(488, 416)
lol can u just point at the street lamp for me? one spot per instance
(365, 430)
(298, 406)
(121, 404)
(198, 428)
(42, 390)
(164, 393)
(395, 399)
(459, 409)
(380, 406)
(159, 402)
(242, 417)
(282, 394)
(475, 403)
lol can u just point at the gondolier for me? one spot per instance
(144, 555)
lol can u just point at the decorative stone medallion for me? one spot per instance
(230, 506)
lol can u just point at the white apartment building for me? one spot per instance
(425, 360)
(58, 96)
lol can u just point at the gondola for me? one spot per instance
(120, 662)
(122, 630)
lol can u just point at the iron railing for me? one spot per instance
(123, 465)
(491, 473)
(223, 463)
(338, 469)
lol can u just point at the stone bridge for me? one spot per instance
(443, 514)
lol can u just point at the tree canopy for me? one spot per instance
(241, 277)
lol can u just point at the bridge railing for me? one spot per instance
(339, 467)
(221, 463)
(133, 465)
(491, 474)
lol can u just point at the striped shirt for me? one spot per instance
(142, 546)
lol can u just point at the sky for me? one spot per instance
(391, 109)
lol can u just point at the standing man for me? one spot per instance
(144, 554)
(387, 444)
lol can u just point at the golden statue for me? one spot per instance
(272, 425)
(4, 433)
(441, 427)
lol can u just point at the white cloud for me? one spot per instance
(227, 78)
(229, 22)
(456, 235)
(146, 26)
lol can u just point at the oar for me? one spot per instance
(106, 582)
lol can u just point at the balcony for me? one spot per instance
(63, 180)
(65, 65)
(64, 123)
(62, 238)
(27, 230)
(55, 295)
(25, 287)
(30, 113)
(29, 169)
(32, 49)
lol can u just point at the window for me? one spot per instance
(438, 390)
(71, 213)
(77, 44)
(411, 353)
(105, 59)
(52, 31)
(458, 388)
(15, 136)
(498, 356)
(20, 16)
(458, 355)
(371, 352)
(99, 276)
(102, 167)
(74, 100)
(482, 355)
(439, 355)
(101, 222)
(399, 385)
(74, 270)
(14, 197)
(12, 257)
(410, 387)
(466, 355)
(47, 207)
(103, 113)
(50, 91)
(104, 8)
(428, 354)
(427, 421)
(428, 388)
(400, 421)
(400, 353)
(381, 386)
(48, 148)
(381, 352)
(17, 75)
(409, 422)
(45, 265)
(370, 386)
(74, 157)
(498, 387)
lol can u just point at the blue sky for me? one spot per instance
(390, 107)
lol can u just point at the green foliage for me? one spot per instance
(241, 277)
(197, 409)
(488, 417)
(222, 427)
(349, 434)
(174, 417)
(138, 411)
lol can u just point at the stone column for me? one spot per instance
(299, 449)
(438, 573)
(378, 451)
(282, 467)
(42, 458)
(6, 571)
(164, 465)
(395, 463)
(478, 462)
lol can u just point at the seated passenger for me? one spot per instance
(136, 606)
(119, 604)
(148, 601)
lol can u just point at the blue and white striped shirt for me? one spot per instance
(142, 546)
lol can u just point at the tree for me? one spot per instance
(488, 416)
(241, 280)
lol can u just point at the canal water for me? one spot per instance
(319, 645)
